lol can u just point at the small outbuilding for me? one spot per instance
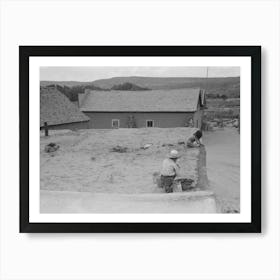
(150, 108)
(59, 112)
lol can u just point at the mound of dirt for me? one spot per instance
(119, 149)
(51, 147)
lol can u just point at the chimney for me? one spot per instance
(82, 96)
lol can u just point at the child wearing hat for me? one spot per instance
(169, 170)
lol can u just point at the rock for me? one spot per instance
(51, 147)
(146, 146)
(119, 149)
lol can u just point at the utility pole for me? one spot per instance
(204, 123)
(207, 74)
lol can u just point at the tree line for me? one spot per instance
(73, 92)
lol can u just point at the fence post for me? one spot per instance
(46, 128)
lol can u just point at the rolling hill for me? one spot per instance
(216, 87)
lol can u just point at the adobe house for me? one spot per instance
(59, 112)
(151, 108)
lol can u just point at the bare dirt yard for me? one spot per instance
(223, 167)
(112, 171)
(112, 161)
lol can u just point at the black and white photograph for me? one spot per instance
(139, 140)
(141, 137)
(135, 139)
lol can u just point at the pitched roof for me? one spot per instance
(56, 108)
(178, 100)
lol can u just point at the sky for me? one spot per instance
(84, 74)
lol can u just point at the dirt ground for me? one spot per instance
(223, 167)
(85, 161)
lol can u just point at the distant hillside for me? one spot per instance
(216, 87)
(64, 83)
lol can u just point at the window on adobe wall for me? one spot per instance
(149, 123)
(115, 123)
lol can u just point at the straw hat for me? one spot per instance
(174, 154)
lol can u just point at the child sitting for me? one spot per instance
(195, 140)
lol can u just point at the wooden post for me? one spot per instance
(46, 128)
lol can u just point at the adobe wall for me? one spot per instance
(163, 120)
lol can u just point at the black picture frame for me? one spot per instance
(25, 52)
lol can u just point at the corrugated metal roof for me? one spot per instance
(178, 100)
(56, 108)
